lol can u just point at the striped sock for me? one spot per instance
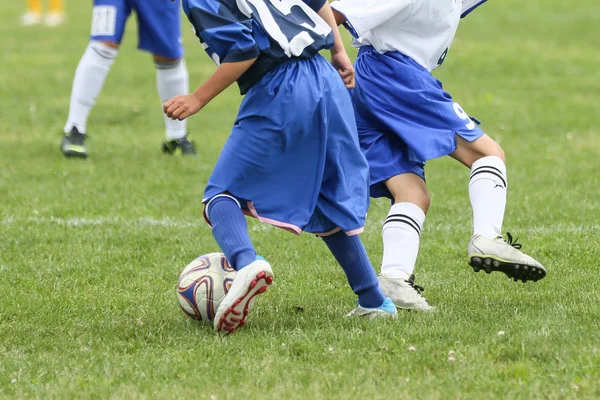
(487, 190)
(401, 234)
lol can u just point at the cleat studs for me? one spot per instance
(488, 270)
(261, 275)
(525, 268)
(496, 263)
(262, 289)
(253, 284)
(269, 280)
(487, 262)
(476, 268)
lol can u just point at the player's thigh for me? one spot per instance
(409, 187)
(108, 20)
(468, 152)
(159, 25)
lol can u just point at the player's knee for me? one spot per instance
(417, 195)
(160, 60)
(493, 149)
(113, 45)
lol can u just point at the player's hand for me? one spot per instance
(342, 63)
(182, 107)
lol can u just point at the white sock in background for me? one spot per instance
(401, 233)
(172, 80)
(487, 191)
(89, 79)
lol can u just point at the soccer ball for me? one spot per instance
(203, 284)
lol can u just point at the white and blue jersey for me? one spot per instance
(403, 114)
(159, 24)
(293, 159)
(273, 31)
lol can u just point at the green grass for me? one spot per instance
(90, 251)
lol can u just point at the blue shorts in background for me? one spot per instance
(293, 159)
(159, 24)
(404, 116)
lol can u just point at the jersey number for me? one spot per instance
(296, 45)
(104, 20)
(463, 115)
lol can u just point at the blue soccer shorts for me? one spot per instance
(404, 117)
(159, 24)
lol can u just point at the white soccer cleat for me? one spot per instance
(404, 293)
(499, 255)
(31, 18)
(386, 310)
(248, 283)
(54, 19)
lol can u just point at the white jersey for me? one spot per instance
(420, 29)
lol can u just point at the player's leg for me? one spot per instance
(56, 13)
(488, 184)
(254, 274)
(33, 15)
(344, 195)
(350, 253)
(172, 80)
(401, 235)
(108, 25)
(385, 111)
(159, 26)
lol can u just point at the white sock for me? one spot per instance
(172, 80)
(401, 233)
(89, 78)
(487, 191)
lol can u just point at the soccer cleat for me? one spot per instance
(54, 19)
(31, 18)
(505, 256)
(73, 144)
(181, 146)
(386, 310)
(248, 283)
(404, 293)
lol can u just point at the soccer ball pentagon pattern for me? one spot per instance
(203, 284)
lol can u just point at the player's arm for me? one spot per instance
(339, 57)
(182, 107)
(232, 46)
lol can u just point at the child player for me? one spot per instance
(159, 31)
(293, 159)
(405, 118)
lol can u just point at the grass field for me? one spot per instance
(90, 251)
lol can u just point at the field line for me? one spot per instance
(142, 222)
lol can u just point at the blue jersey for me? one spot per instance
(273, 31)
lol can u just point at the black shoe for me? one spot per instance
(73, 144)
(181, 146)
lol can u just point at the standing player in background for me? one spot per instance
(34, 14)
(293, 159)
(405, 118)
(159, 30)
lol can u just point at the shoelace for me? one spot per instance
(513, 242)
(411, 282)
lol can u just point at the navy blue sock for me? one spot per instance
(230, 230)
(352, 256)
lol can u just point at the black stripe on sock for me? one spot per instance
(487, 166)
(480, 171)
(405, 219)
